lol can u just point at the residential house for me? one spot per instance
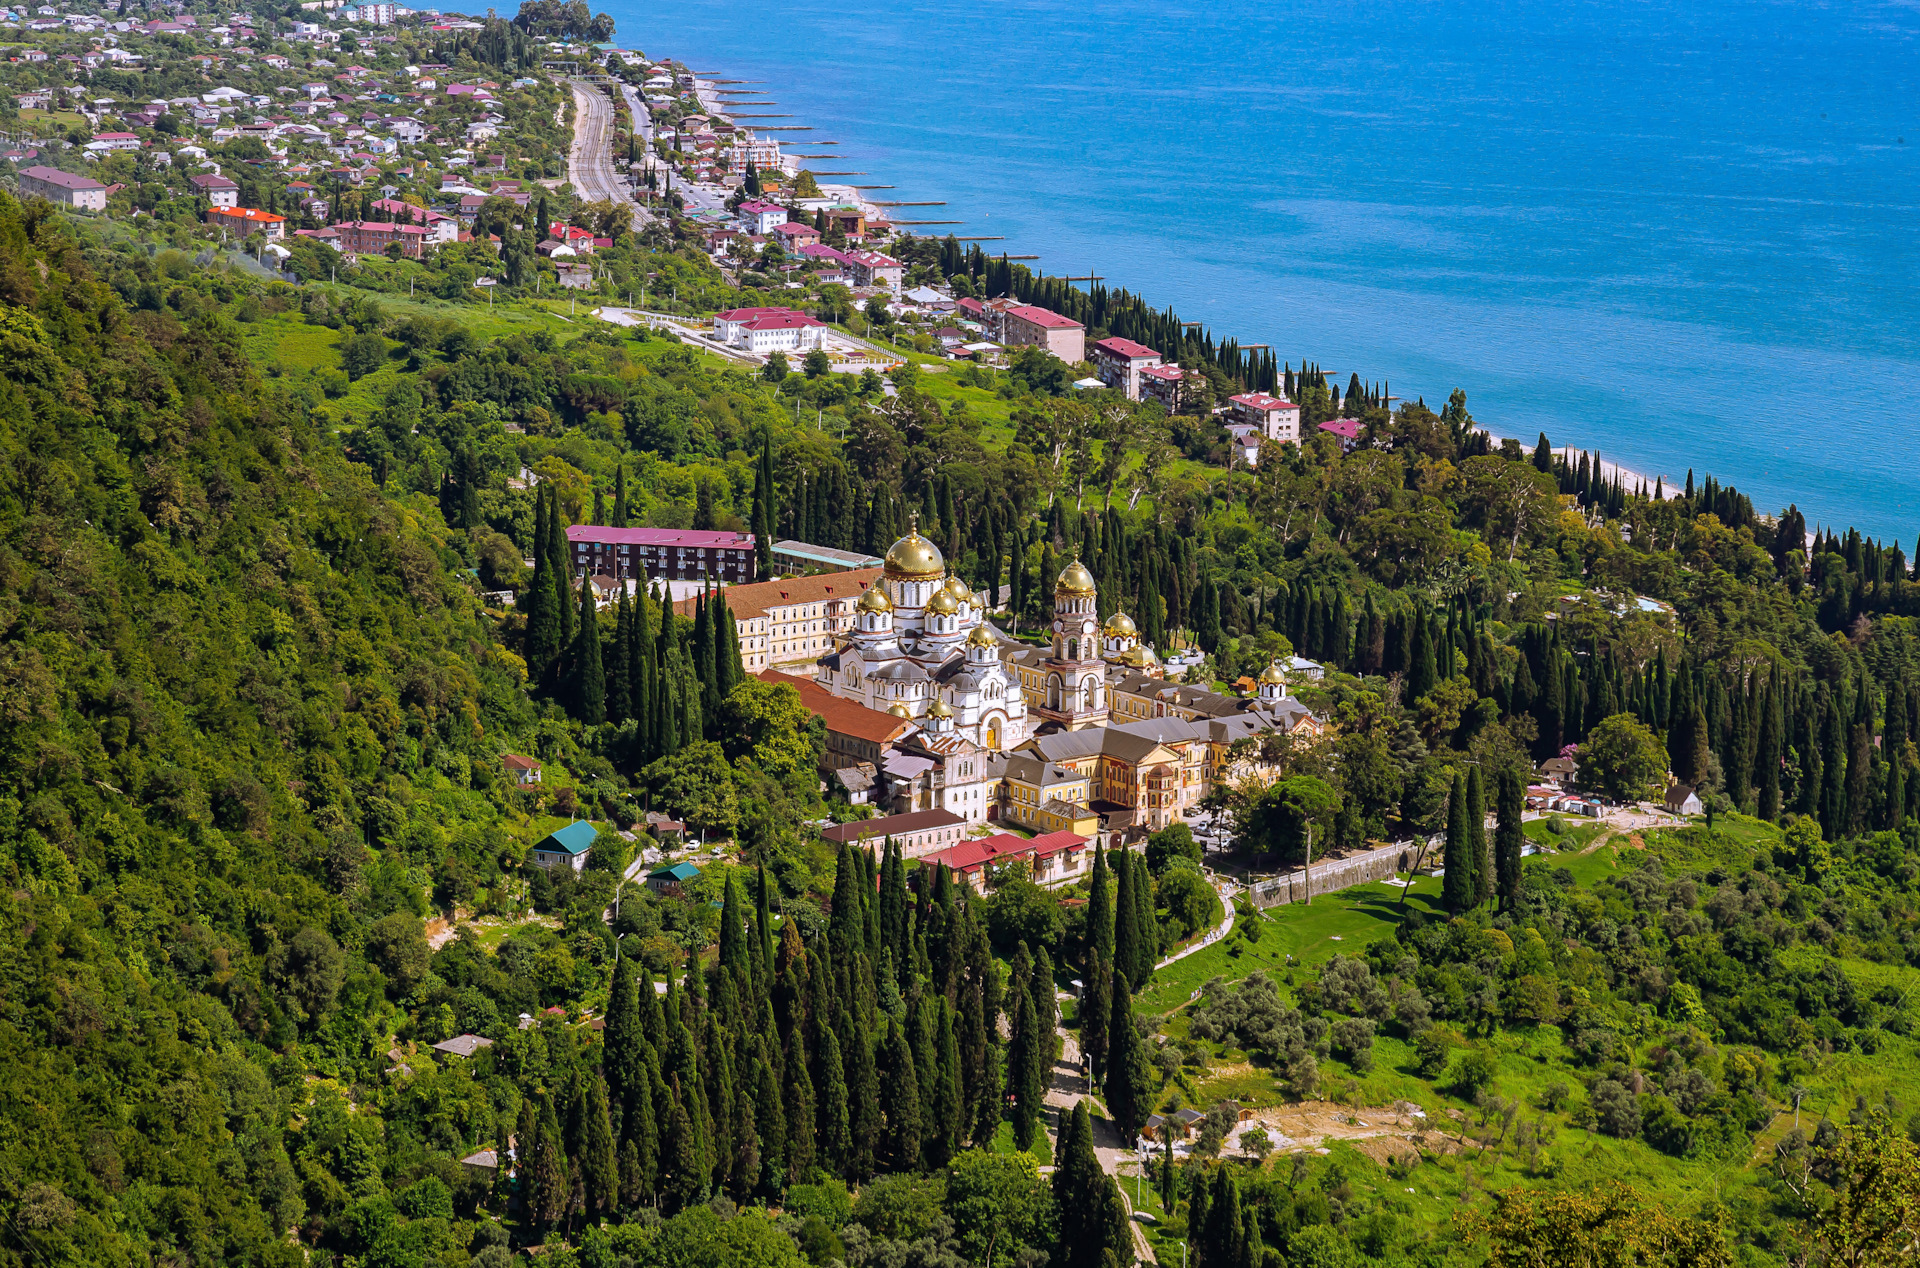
(373, 237)
(871, 268)
(760, 217)
(1028, 325)
(1162, 383)
(244, 221)
(1119, 361)
(1277, 419)
(1681, 799)
(219, 191)
(566, 847)
(793, 235)
(463, 1045)
(523, 772)
(673, 878)
(1345, 430)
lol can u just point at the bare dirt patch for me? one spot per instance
(1382, 1132)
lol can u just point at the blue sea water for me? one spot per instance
(1682, 234)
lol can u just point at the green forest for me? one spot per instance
(262, 855)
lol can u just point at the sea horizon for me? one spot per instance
(1679, 239)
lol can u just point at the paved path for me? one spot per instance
(1068, 1088)
(1225, 927)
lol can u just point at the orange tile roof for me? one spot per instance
(756, 597)
(843, 717)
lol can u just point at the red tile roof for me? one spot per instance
(1043, 317)
(696, 537)
(969, 855)
(1125, 348)
(1260, 400)
(842, 717)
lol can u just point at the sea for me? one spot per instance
(1681, 234)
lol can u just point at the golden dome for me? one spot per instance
(1273, 674)
(875, 600)
(914, 558)
(939, 709)
(1140, 656)
(899, 711)
(959, 589)
(1074, 579)
(943, 602)
(980, 638)
(1120, 625)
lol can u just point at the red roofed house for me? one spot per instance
(1276, 419)
(769, 330)
(679, 554)
(793, 235)
(916, 833)
(371, 237)
(523, 771)
(581, 240)
(1118, 362)
(1347, 429)
(870, 268)
(117, 140)
(971, 309)
(761, 217)
(1161, 383)
(1025, 324)
(220, 191)
(1056, 858)
(243, 221)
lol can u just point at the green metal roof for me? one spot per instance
(576, 838)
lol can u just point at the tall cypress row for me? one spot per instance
(589, 680)
(1456, 883)
(1477, 837)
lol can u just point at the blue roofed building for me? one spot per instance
(566, 847)
(671, 879)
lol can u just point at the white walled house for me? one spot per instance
(1277, 419)
(769, 330)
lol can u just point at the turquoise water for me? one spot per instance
(1683, 236)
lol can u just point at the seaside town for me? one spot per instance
(756, 724)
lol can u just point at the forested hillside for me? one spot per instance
(261, 852)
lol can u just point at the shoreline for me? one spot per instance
(706, 93)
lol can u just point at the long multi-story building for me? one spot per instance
(57, 186)
(793, 620)
(655, 554)
(1028, 324)
(1119, 361)
(245, 221)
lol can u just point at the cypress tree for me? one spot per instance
(1477, 837)
(1422, 675)
(834, 1140)
(1508, 839)
(560, 555)
(1126, 1084)
(1767, 754)
(1833, 758)
(770, 1121)
(798, 1100)
(623, 1060)
(948, 1126)
(863, 1100)
(1126, 924)
(1146, 922)
(1457, 884)
(682, 1176)
(900, 1104)
(763, 921)
(546, 1170)
(600, 1165)
(619, 669)
(1893, 747)
(1860, 759)
(1024, 1079)
(543, 621)
(589, 680)
(1094, 1230)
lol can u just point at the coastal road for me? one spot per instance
(589, 161)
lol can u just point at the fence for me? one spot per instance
(1334, 874)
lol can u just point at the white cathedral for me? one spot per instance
(922, 648)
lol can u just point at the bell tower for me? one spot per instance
(1076, 690)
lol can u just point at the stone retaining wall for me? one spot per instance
(1334, 874)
